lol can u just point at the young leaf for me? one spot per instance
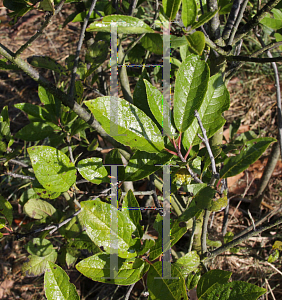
(161, 288)
(57, 285)
(236, 164)
(126, 25)
(93, 170)
(98, 268)
(39, 209)
(216, 101)
(171, 8)
(52, 168)
(190, 89)
(96, 216)
(35, 131)
(133, 127)
(189, 12)
(210, 278)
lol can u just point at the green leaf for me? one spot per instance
(83, 241)
(6, 209)
(93, 170)
(157, 104)
(52, 168)
(189, 12)
(142, 164)
(36, 265)
(39, 209)
(34, 132)
(188, 263)
(190, 89)
(249, 154)
(41, 192)
(46, 62)
(176, 41)
(233, 291)
(273, 257)
(51, 104)
(39, 247)
(36, 113)
(278, 38)
(271, 23)
(176, 232)
(169, 289)
(171, 8)
(131, 209)
(96, 216)
(210, 278)
(197, 42)
(98, 268)
(5, 65)
(57, 285)
(204, 199)
(216, 101)
(153, 42)
(204, 19)
(140, 96)
(133, 127)
(225, 9)
(126, 25)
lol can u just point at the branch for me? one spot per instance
(255, 20)
(79, 110)
(238, 20)
(79, 45)
(231, 19)
(253, 59)
(226, 247)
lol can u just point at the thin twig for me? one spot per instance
(192, 236)
(129, 292)
(79, 45)
(17, 162)
(206, 141)
(204, 231)
(48, 18)
(260, 60)
(14, 175)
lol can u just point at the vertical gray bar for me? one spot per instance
(166, 80)
(166, 262)
(114, 224)
(114, 82)
(166, 223)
